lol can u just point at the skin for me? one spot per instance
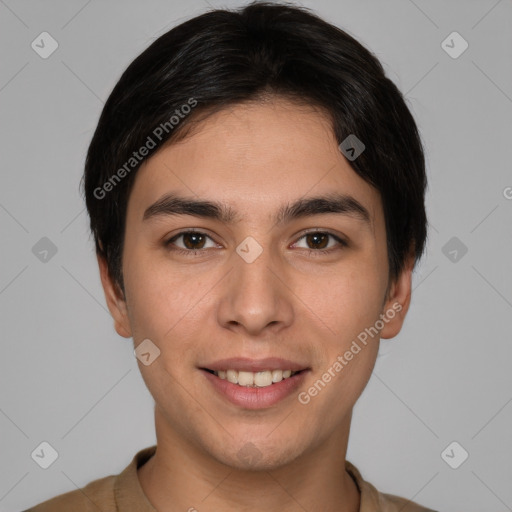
(288, 303)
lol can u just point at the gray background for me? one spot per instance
(68, 379)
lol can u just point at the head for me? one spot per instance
(230, 125)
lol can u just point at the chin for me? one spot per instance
(258, 456)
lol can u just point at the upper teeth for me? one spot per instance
(254, 379)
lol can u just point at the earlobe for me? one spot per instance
(115, 300)
(397, 302)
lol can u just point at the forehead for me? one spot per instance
(253, 156)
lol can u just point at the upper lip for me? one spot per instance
(255, 365)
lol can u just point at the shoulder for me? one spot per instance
(392, 503)
(96, 495)
(108, 494)
(374, 501)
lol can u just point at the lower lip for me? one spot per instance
(256, 398)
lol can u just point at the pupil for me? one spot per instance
(192, 239)
(318, 239)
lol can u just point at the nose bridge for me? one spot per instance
(253, 273)
(255, 296)
(253, 267)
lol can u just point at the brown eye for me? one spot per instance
(189, 241)
(317, 240)
(321, 242)
(193, 240)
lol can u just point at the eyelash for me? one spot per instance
(311, 252)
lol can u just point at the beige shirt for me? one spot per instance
(123, 493)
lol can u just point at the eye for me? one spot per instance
(321, 242)
(193, 242)
(190, 241)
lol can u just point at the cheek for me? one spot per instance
(346, 301)
(165, 308)
(166, 305)
(154, 300)
(350, 307)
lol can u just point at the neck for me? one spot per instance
(182, 477)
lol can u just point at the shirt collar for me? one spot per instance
(128, 492)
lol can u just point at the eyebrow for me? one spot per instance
(172, 204)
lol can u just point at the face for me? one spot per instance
(259, 282)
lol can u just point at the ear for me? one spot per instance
(115, 300)
(398, 298)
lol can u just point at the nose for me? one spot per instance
(256, 298)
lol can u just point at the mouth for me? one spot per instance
(255, 384)
(261, 379)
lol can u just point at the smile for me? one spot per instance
(260, 379)
(255, 390)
